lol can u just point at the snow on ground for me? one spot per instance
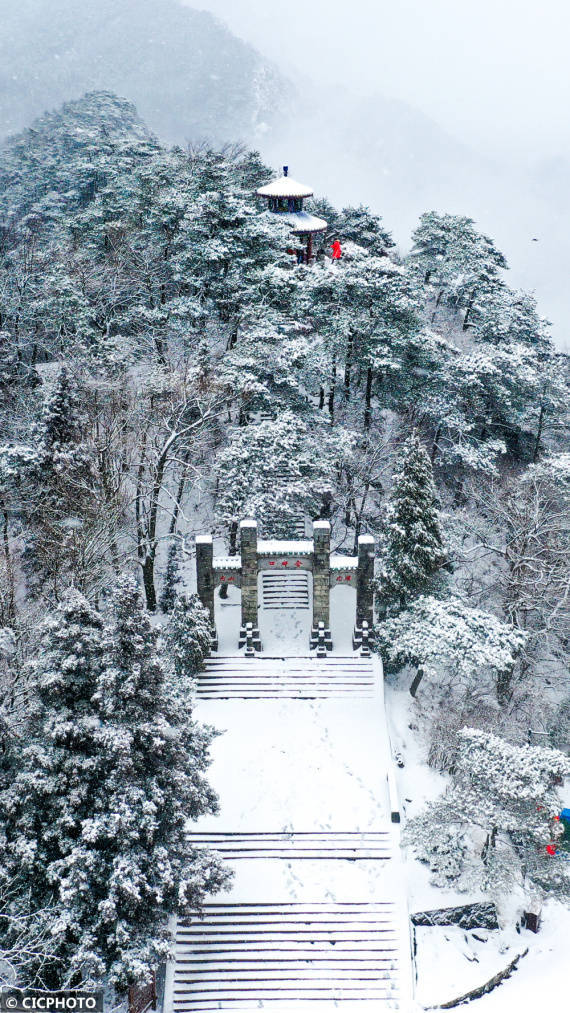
(228, 620)
(449, 960)
(541, 979)
(343, 618)
(285, 632)
(297, 765)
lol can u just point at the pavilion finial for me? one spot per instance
(285, 170)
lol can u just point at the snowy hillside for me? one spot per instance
(188, 75)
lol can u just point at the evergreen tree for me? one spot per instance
(60, 425)
(96, 818)
(55, 786)
(461, 265)
(171, 578)
(276, 470)
(438, 637)
(365, 228)
(188, 636)
(413, 552)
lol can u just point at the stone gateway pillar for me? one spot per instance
(364, 587)
(248, 540)
(321, 581)
(205, 572)
(205, 584)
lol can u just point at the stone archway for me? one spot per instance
(314, 555)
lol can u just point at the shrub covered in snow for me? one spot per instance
(504, 798)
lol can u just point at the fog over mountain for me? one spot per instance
(191, 77)
(187, 74)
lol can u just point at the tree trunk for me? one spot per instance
(468, 310)
(232, 340)
(332, 391)
(348, 367)
(538, 435)
(504, 684)
(489, 845)
(148, 581)
(10, 614)
(437, 302)
(233, 538)
(416, 681)
(435, 447)
(178, 499)
(321, 397)
(368, 398)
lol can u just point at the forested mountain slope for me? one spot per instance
(167, 368)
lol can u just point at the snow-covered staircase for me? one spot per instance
(285, 590)
(320, 845)
(315, 918)
(263, 678)
(281, 956)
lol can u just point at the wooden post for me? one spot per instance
(310, 248)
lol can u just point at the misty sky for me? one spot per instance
(495, 72)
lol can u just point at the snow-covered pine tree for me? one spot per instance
(95, 818)
(449, 637)
(502, 799)
(461, 265)
(54, 787)
(171, 577)
(361, 226)
(187, 636)
(413, 552)
(64, 458)
(154, 785)
(276, 469)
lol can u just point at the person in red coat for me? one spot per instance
(336, 251)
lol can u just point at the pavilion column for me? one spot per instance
(248, 541)
(321, 581)
(364, 586)
(205, 578)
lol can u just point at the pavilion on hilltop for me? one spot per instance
(285, 197)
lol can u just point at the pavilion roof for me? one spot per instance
(301, 221)
(285, 187)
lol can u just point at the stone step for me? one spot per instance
(291, 678)
(318, 845)
(252, 956)
(285, 591)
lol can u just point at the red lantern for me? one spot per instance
(222, 577)
(297, 562)
(348, 577)
(551, 849)
(284, 563)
